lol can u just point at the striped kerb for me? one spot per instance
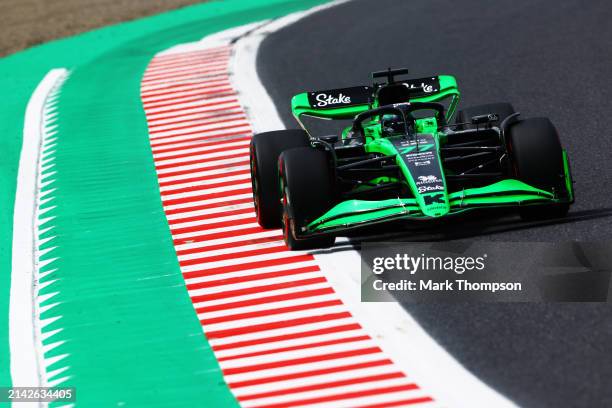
(281, 334)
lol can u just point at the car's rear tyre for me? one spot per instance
(265, 150)
(307, 186)
(502, 109)
(537, 159)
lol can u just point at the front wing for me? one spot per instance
(358, 213)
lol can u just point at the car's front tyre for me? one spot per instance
(537, 159)
(264, 152)
(307, 189)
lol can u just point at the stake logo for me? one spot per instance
(424, 189)
(425, 88)
(422, 86)
(324, 99)
(340, 97)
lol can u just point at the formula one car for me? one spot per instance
(405, 156)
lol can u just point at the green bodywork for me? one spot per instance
(422, 205)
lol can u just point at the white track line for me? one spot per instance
(27, 365)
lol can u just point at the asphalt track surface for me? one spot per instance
(547, 58)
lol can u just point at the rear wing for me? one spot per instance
(346, 103)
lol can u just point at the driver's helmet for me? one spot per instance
(392, 123)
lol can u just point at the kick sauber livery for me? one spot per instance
(406, 155)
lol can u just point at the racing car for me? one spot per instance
(407, 154)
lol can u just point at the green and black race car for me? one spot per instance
(405, 156)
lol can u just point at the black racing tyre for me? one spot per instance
(264, 152)
(502, 109)
(308, 191)
(537, 159)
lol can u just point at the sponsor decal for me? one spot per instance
(408, 149)
(427, 88)
(423, 140)
(324, 99)
(424, 168)
(433, 199)
(338, 98)
(424, 157)
(428, 179)
(424, 189)
(422, 86)
(422, 163)
(422, 148)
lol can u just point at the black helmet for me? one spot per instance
(392, 123)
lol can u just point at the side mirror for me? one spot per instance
(488, 118)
